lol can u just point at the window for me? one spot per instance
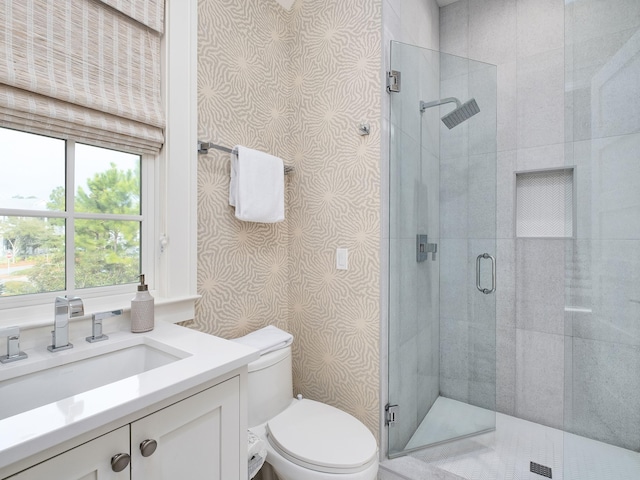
(168, 165)
(73, 231)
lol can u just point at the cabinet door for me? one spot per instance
(197, 438)
(89, 461)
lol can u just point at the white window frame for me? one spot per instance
(147, 232)
(173, 191)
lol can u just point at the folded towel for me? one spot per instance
(257, 453)
(267, 339)
(257, 186)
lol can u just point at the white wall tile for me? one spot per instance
(454, 205)
(540, 101)
(492, 31)
(505, 200)
(608, 414)
(507, 107)
(505, 370)
(540, 26)
(540, 377)
(542, 158)
(454, 28)
(615, 176)
(540, 267)
(482, 196)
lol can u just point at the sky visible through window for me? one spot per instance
(32, 166)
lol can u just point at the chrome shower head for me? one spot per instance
(462, 112)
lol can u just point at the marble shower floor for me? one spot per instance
(505, 454)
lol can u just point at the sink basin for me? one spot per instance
(53, 383)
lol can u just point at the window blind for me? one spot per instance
(82, 68)
(147, 12)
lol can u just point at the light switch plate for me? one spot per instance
(342, 258)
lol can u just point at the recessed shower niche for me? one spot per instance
(545, 205)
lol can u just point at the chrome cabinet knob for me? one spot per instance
(148, 447)
(120, 461)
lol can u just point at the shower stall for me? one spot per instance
(514, 276)
(442, 303)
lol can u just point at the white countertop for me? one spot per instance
(206, 358)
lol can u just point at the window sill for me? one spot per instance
(172, 310)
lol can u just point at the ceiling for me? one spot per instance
(444, 3)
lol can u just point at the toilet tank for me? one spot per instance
(270, 385)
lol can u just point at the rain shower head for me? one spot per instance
(462, 112)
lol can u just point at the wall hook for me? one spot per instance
(364, 129)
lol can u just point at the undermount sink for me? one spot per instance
(48, 384)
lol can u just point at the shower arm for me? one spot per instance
(425, 105)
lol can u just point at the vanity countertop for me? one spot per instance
(202, 358)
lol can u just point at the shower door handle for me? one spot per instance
(493, 274)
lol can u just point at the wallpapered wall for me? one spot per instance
(296, 84)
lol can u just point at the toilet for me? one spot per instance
(306, 440)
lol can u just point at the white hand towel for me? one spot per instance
(257, 186)
(267, 339)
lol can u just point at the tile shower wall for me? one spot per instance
(296, 84)
(565, 74)
(529, 56)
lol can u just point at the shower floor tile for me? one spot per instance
(506, 453)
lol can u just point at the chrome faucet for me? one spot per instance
(13, 345)
(96, 325)
(65, 308)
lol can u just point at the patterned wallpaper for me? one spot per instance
(296, 84)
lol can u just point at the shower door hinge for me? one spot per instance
(393, 81)
(391, 414)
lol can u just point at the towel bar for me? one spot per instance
(203, 149)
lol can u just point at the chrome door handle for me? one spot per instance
(486, 291)
(120, 461)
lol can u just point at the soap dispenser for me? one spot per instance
(142, 309)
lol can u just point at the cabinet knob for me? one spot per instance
(148, 447)
(120, 461)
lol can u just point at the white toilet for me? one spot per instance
(306, 440)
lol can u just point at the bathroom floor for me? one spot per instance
(506, 454)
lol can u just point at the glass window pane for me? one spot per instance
(106, 181)
(107, 252)
(33, 171)
(31, 255)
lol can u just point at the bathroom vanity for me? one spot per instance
(167, 404)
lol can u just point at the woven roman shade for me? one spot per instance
(83, 69)
(147, 12)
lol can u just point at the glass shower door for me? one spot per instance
(442, 307)
(602, 257)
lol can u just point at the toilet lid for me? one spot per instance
(322, 438)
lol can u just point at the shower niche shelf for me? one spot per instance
(545, 206)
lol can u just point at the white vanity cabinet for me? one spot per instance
(195, 438)
(91, 460)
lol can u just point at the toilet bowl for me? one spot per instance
(306, 440)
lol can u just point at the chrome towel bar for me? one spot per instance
(203, 149)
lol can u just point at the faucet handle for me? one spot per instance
(96, 325)
(76, 307)
(13, 345)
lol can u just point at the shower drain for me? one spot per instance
(540, 469)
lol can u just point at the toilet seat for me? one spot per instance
(320, 437)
